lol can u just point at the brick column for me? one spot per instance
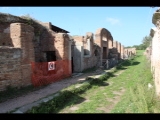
(22, 36)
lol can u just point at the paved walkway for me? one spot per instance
(23, 103)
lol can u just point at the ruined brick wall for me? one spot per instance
(10, 67)
(33, 39)
(43, 41)
(119, 50)
(22, 36)
(114, 50)
(48, 40)
(153, 53)
(129, 52)
(125, 53)
(86, 52)
(156, 51)
(115, 44)
(16, 67)
(93, 59)
(59, 46)
(110, 42)
(102, 37)
(79, 40)
(77, 53)
(90, 62)
(122, 51)
(147, 53)
(5, 39)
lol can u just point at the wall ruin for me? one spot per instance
(155, 53)
(24, 42)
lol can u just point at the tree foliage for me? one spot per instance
(146, 41)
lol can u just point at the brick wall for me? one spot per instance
(5, 39)
(119, 49)
(156, 52)
(22, 37)
(10, 67)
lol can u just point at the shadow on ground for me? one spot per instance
(71, 97)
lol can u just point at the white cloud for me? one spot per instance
(114, 21)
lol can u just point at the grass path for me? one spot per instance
(124, 91)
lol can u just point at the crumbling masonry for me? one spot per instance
(27, 46)
(153, 51)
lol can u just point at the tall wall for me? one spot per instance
(22, 36)
(15, 61)
(153, 52)
(103, 38)
(122, 51)
(119, 50)
(156, 51)
(91, 60)
(115, 44)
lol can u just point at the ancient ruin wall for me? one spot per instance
(147, 53)
(92, 60)
(10, 67)
(16, 54)
(102, 37)
(122, 51)
(22, 36)
(153, 53)
(5, 39)
(115, 44)
(156, 51)
(119, 50)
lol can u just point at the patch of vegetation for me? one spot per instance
(76, 94)
(139, 98)
(130, 88)
(69, 95)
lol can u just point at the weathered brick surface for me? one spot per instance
(115, 44)
(5, 39)
(103, 38)
(15, 61)
(122, 51)
(34, 39)
(119, 50)
(91, 60)
(10, 67)
(155, 54)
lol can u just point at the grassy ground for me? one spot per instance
(122, 90)
(138, 98)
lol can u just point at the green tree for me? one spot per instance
(146, 41)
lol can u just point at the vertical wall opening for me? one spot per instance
(96, 52)
(87, 47)
(104, 53)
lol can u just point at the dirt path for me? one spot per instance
(31, 97)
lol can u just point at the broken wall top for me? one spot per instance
(155, 18)
(152, 31)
